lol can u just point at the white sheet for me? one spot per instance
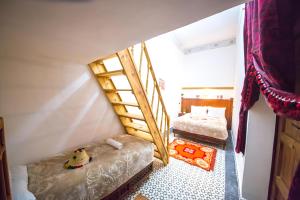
(215, 127)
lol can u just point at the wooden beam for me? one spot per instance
(132, 116)
(147, 79)
(137, 126)
(154, 79)
(141, 96)
(140, 134)
(117, 90)
(153, 93)
(155, 147)
(109, 57)
(157, 155)
(141, 59)
(111, 73)
(207, 88)
(99, 67)
(125, 103)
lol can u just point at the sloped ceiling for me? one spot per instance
(219, 27)
(84, 30)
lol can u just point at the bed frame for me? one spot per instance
(124, 190)
(5, 193)
(186, 104)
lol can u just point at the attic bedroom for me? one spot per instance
(149, 100)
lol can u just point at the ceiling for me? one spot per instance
(219, 27)
(83, 30)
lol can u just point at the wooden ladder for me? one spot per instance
(149, 120)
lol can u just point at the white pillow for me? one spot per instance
(199, 110)
(216, 112)
(19, 183)
(114, 143)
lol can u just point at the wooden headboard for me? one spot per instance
(186, 104)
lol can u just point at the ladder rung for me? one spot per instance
(117, 90)
(157, 155)
(132, 116)
(111, 73)
(137, 127)
(124, 103)
(155, 148)
(140, 134)
(109, 57)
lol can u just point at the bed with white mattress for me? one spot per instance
(209, 126)
(205, 120)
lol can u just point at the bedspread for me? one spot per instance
(215, 127)
(109, 169)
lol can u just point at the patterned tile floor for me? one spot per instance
(182, 181)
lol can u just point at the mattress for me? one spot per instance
(108, 170)
(215, 127)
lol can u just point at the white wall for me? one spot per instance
(167, 63)
(206, 68)
(49, 106)
(213, 67)
(259, 150)
(238, 86)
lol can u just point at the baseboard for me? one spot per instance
(233, 139)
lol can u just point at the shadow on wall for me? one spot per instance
(33, 122)
(66, 110)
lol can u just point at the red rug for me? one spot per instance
(193, 153)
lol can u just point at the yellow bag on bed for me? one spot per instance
(78, 159)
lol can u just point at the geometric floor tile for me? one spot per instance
(182, 181)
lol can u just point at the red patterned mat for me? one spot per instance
(193, 153)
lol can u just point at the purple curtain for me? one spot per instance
(269, 39)
(269, 60)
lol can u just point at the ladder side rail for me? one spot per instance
(135, 81)
(154, 78)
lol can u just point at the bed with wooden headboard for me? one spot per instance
(186, 104)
